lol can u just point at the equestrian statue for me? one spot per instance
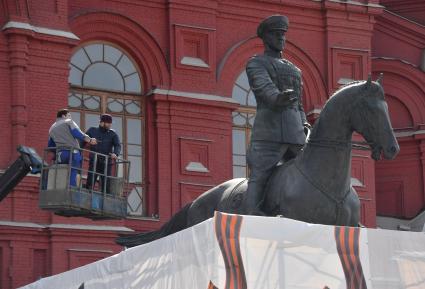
(307, 180)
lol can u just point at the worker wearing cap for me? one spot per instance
(108, 143)
(278, 131)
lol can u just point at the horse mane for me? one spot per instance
(341, 94)
(356, 83)
(338, 94)
(351, 83)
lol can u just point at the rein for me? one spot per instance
(358, 145)
(338, 202)
(325, 142)
(334, 144)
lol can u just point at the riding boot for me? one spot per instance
(254, 199)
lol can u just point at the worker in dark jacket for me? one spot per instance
(108, 143)
(278, 131)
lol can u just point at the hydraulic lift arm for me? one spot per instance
(28, 161)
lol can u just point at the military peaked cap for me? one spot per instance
(274, 22)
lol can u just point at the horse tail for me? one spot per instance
(177, 223)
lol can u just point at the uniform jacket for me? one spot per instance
(268, 76)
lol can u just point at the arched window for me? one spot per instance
(103, 79)
(243, 119)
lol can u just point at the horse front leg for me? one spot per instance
(352, 208)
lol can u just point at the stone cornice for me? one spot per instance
(39, 30)
(401, 28)
(353, 7)
(404, 6)
(65, 226)
(395, 59)
(192, 95)
(89, 227)
(208, 7)
(369, 3)
(145, 3)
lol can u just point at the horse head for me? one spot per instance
(370, 118)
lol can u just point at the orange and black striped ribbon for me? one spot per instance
(347, 242)
(227, 230)
(212, 286)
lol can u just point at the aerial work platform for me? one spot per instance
(105, 199)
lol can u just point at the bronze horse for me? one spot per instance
(314, 187)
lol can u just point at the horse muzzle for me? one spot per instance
(388, 153)
(376, 153)
(391, 152)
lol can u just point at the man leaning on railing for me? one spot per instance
(108, 144)
(66, 133)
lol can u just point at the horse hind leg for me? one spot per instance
(227, 197)
(233, 200)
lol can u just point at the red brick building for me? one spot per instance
(172, 75)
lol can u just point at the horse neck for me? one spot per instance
(328, 167)
(327, 159)
(334, 122)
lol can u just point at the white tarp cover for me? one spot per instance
(247, 252)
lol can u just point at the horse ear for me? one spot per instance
(368, 82)
(380, 79)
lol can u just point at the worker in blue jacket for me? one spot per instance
(108, 143)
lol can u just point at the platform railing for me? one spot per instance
(70, 189)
